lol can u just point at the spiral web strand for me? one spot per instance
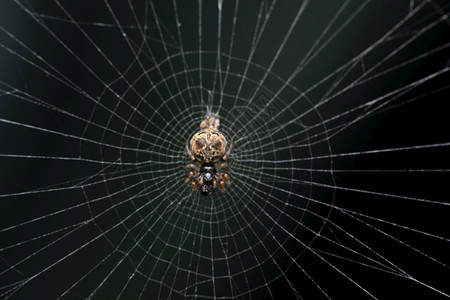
(338, 171)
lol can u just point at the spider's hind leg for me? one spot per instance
(228, 151)
(190, 175)
(193, 166)
(189, 151)
(222, 187)
(227, 178)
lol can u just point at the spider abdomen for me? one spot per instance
(207, 150)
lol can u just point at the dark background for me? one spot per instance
(47, 62)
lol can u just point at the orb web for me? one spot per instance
(337, 170)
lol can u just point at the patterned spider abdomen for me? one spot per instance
(208, 145)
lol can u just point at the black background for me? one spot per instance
(418, 117)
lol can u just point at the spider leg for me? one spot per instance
(189, 151)
(190, 175)
(228, 151)
(221, 182)
(227, 178)
(219, 165)
(195, 167)
(222, 187)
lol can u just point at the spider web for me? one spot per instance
(338, 171)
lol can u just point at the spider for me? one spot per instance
(207, 152)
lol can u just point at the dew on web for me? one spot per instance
(338, 171)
